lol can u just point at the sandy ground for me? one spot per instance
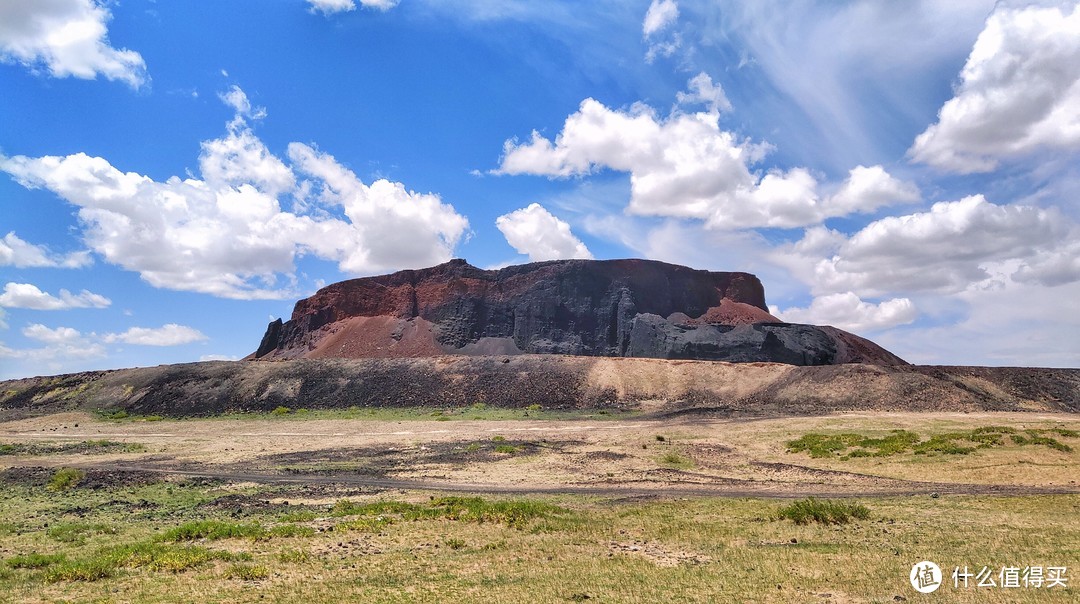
(675, 456)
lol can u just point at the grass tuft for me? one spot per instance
(247, 572)
(66, 479)
(810, 510)
(34, 560)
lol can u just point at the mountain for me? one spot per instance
(608, 308)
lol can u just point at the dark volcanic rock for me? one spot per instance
(614, 308)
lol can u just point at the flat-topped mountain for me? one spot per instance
(611, 308)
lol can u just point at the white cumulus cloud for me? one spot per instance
(66, 38)
(27, 295)
(59, 335)
(22, 254)
(170, 334)
(847, 311)
(227, 233)
(947, 249)
(330, 7)
(1019, 91)
(686, 166)
(537, 233)
(59, 345)
(705, 92)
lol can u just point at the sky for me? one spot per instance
(175, 175)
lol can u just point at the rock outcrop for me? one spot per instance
(611, 308)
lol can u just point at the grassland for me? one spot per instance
(90, 534)
(151, 541)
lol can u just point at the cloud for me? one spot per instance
(661, 14)
(389, 226)
(867, 189)
(330, 7)
(1019, 91)
(847, 311)
(21, 254)
(237, 99)
(60, 344)
(686, 166)
(39, 332)
(537, 233)
(837, 67)
(703, 91)
(945, 250)
(1009, 324)
(218, 357)
(26, 295)
(170, 334)
(66, 38)
(227, 234)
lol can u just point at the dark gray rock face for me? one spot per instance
(654, 337)
(615, 308)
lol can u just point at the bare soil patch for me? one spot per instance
(667, 457)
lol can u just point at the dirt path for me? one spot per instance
(901, 487)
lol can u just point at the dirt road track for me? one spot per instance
(731, 488)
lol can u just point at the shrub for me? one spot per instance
(508, 449)
(810, 510)
(281, 410)
(65, 479)
(675, 459)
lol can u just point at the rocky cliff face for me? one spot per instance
(627, 308)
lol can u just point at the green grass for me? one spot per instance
(212, 530)
(76, 532)
(65, 479)
(34, 560)
(676, 460)
(810, 510)
(471, 412)
(106, 562)
(247, 572)
(848, 445)
(86, 446)
(422, 547)
(293, 556)
(513, 513)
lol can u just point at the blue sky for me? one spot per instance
(173, 175)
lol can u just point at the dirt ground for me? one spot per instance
(674, 456)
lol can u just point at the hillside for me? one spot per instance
(551, 381)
